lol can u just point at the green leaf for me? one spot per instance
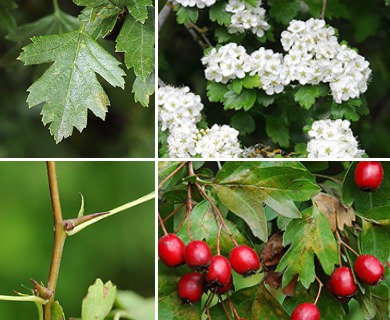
(308, 236)
(170, 305)
(365, 201)
(138, 307)
(136, 40)
(7, 21)
(277, 130)
(70, 87)
(253, 303)
(350, 110)
(246, 100)
(101, 15)
(244, 187)
(216, 91)
(218, 14)
(372, 240)
(249, 82)
(143, 89)
(165, 168)
(284, 11)
(138, 9)
(99, 301)
(334, 9)
(58, 313)
(306, 96)
(203, 225)
(187, 14)
(243, 122)
(56, 23)
(265, 99)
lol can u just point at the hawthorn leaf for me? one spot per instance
(253, 303)
(101, 15)
(99, 301)
(373, 238)
(136, 40)
(306, 96)
(55, 23)
(277, 130)
(243, 122)
(219, 14)
(307, 237)
(204, 225)
(244, 187)
(284, 10)
(139, 307)
(70, 86)
(138, 9)
(187, 14)
(143, 89)
(216, 91)
(57, 313)
(246, 100)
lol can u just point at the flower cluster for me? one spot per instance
(179, 112)
(314, 55)
(332, 138)
(246, 17)
(198, 3)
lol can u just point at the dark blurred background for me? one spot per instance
(128, 130)
(365, 25)
(119, 248)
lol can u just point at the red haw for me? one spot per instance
(368, 175)
(171, 250)
(369, 269)
(306, 311)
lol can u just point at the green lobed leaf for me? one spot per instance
(143, 89)
(277, 130)
(99, 301)
(244, 187)
(253, 303)
(138, 307)
(58, 313)
(243, 122)
(245, 100)
(204, 226)
(101, 15)
(310, 236)
(136, 40)
(218, 14)
(139, 9)
(306, 96)
(334, 9)
(365, 201)
(70, 87)
(350, 110)
(216, 91)
(284, 11)
(264, 99)
(372, 240)
(187, 14)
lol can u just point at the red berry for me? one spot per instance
(171, 250)
(368, 175)
(342, 282)
(225, 288)
(369, 269)
(191, 287)
(306, 311)
(218, 273)
(197, 254)
(244, 260)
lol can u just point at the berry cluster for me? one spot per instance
(332, 138)
(209, 272)
(179, 112)
(314, 55)
(247, 17)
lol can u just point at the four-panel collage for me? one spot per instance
(194, 159)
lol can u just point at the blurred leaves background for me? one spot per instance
(128, 130)
(120, 248)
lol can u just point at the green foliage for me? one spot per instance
(67, 98)
(7, 21)
(307, 95)
(284, 11)
(187, 14)
(99, 300)
(299, 259)
(139, 9)
(243, 122)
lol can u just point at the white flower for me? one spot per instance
(332, 138)
(198, 3)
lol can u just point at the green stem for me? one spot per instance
(24, 299)
(83, 225)
(59, 238)
(56, 7)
